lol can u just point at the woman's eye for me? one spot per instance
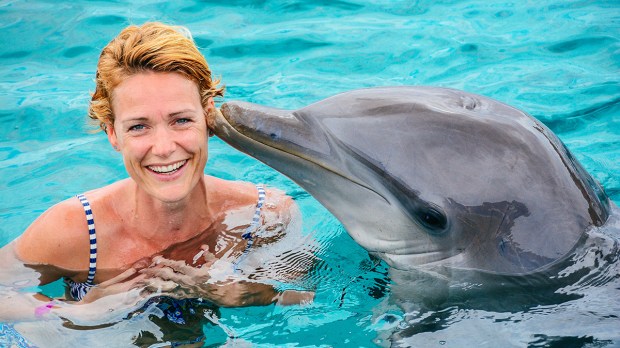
(183, 120)
(137, 127)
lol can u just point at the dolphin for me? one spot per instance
(427, 176)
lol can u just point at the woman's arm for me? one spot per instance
(17, 303)
(55, 245)
(110, 301)
(28, 262)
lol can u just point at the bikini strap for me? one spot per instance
(249, 232)
(92, 267)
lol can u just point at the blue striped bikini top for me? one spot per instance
(79, 290)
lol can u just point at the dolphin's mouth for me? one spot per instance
(224, 130)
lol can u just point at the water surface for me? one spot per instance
(557, 60)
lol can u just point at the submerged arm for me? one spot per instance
(21, 300)
(17, 299)
(48, 250)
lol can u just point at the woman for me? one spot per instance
(154, 99)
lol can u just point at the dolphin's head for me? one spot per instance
(429, 176)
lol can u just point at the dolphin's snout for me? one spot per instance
(278, 128)
(255, 117)
(233, 113)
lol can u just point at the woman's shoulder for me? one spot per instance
(53, 236)
(245, 193)
(60, 235)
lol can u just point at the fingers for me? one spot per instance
(197, 256)
(142, 263)
(205, 255)
(208, 256)
(137, 282)
(179, 271)
(162, 287)
(177, 266)
(164, 273)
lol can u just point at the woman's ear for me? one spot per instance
(111, 132)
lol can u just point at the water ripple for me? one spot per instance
(584, 45)
(265, 48)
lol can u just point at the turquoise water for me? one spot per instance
(557, 60)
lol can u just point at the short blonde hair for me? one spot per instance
(150, 47)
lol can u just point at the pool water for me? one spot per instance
(557, 60)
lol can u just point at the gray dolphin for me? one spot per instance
(430, 176)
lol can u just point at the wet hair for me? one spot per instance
(153, 47)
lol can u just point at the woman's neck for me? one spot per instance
(159, 220)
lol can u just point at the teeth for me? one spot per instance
(167, 169)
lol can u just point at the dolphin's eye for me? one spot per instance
(433, 219)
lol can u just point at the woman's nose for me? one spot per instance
(164, 142)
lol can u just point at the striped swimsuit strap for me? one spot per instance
(79, 290)
(249, 233)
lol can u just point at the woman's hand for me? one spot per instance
(122, 283)
(177, 279)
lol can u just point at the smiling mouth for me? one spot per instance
(169, 169)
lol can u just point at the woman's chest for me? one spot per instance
(122, 249)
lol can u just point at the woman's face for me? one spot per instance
(161, 131)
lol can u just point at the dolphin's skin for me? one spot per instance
(430, 176)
